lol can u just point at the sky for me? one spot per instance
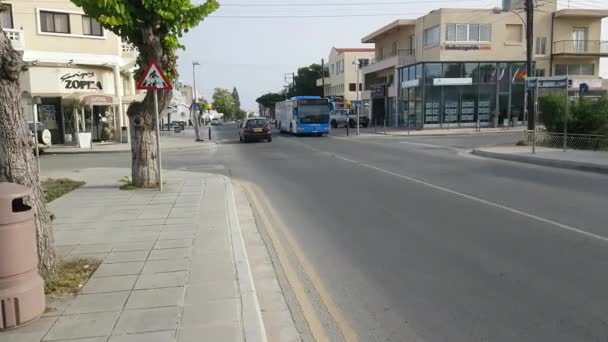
(254, 54)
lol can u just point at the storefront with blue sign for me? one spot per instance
(461, 94)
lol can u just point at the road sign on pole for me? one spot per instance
(154, 79)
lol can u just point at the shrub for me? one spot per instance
(585, 116)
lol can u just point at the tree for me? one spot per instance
(305, 83)
(223, 102)
(154, 28)
(237, 100)
(17, 161)
(269, 100)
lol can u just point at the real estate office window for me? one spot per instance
(54, 22)
(91, 27)
(6, 17)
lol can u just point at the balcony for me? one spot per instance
(390, 60)
(128, 50)
(581, 48)
(17, 38)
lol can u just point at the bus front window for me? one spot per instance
(314, 114)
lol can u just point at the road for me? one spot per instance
(415, 240)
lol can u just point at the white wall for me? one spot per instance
(604, 61)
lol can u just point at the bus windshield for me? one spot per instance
(314, 114)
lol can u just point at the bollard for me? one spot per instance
(21, 288)
(209, 133)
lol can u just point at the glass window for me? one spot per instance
(431, 36)
(468, 104)
(504, 77)
(450, 32)
(462, 32)
(518, 73)
(474, 32)
(540, 72)
(587, 69)
(541, 46)
(574, 69)
(486, 103)
(487, 73)
(54, 22)
(452, 70)
(471, 70)
(514, 33)
(485, 33)
(352, 87)
(561, 69)
(91, 27)
(6, 16)
(419, 71)
(432, 70)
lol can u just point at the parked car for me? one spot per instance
(340, 117)
(44, 136)
(216, 121)
(255, 129)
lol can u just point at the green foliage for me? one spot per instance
(136, 20)
(269, 100)
(305, 83)
(55, 188)
(240, 115)
(223, 102)
(127, 184)
(585, 116)
(70, 277)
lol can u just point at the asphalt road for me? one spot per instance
(417, 241)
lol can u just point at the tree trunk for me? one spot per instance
(17, 161)
(142, 117)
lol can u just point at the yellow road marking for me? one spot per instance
(260, 201)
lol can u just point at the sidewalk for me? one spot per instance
(571, 159)
(175, 266)
(391, 131)
(171, 141)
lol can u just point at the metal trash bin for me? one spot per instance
(21, 287)
(177, 129)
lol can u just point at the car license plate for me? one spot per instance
(257, 130)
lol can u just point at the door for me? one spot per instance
(579, 37)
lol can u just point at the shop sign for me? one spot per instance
(81, 81)
(410, 84)
(378, 91)
(98, 100)
(452, 81)
(466, 47)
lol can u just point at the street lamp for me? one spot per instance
(357, 64)
(195, 119)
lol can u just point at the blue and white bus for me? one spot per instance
(304, 115)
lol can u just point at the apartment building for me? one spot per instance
(466, 67)
(341, 69)
(79, 75)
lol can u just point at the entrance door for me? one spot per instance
(378, 111)
(579, 37)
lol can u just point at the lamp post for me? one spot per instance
(195, 119)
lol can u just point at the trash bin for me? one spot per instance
(177, 129)
(21, 288)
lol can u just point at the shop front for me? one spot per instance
(460, 94)
(73, 101)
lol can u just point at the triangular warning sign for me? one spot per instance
(154, 79)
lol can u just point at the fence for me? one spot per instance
(573, 141)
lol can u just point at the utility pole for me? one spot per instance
(323, 75)
(529, 7)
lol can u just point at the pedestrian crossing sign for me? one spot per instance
(154, 78)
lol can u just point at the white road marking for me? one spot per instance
(477, 199)
(427, 145)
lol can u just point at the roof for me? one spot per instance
(341, 50)
(371, 38)
(581, 13)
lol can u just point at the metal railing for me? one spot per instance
(17, 38)
(592, 47)
(573, 141)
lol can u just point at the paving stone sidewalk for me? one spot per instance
(174, 265)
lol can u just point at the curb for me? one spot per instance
(431, 134)
(82, 152)
(556, 163)
(251, 313)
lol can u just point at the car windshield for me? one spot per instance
(314, 114)
(256, 123)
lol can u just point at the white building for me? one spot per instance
(79, 73)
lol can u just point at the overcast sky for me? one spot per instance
(253, 54)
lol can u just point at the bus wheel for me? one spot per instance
(290, 128)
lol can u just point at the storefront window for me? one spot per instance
(451, 105)
(471, 70)
(486, 103)
(452, 70)
(468, 104)
(487, 73)
(504, 77)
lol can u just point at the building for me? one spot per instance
(466, 67)
(79, 74)
(340, 83)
